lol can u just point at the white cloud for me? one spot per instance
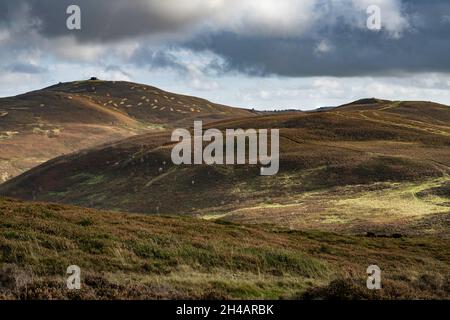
(323, 47)
(275, 18)
(393, 20)
(287, 18)
(69, 48)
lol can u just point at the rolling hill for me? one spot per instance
(369, 166)
(68, 117)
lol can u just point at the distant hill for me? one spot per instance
(420, 111)
(328, 159)
(67, 117)
(321, 109)
(367, 101)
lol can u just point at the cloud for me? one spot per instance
(323, 47)
(15, 83)
(26, 68)
(337, 42)
(197, 68)
(200, 42)
(70, 49)
(309, 93)
(113, 20)
(270, 18)
(4, 36)
(292, 38)
(115, 73)
(393, 17)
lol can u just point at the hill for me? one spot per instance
(130, 256)
(376, 166)
(417, 111)
(68, 117)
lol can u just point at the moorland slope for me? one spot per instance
(135, 256)
(372, 165)
(68, 117)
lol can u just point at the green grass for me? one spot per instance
(88, 179)
(133, 256)
(410, 208)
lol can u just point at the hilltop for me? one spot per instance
(67, 117)
(376, 166)
(130, 256)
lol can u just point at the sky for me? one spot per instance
(262, 54)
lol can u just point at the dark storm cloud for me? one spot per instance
(337, 48)
(107, 20)
(351, 54)
(423, 47)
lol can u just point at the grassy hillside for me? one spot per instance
(68, 117)
(364, 167)
(145, 256)
(149, 104)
